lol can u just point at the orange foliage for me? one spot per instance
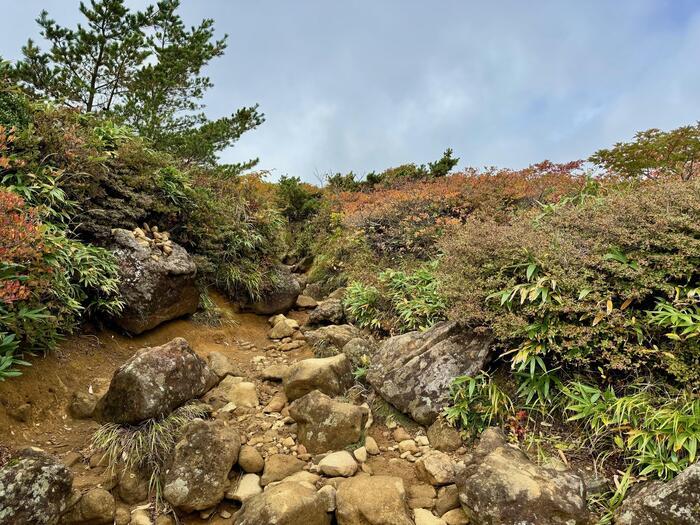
(21, 247)
(464, 192)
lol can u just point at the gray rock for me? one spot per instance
(414, 371)
(330, 375)
(499, 484)
(331, 339)
(443, 436)
(95, 507)
(280, 466)
(288, 503)
(221, 365)
(372, 500)
(279, 298)
(154, 287)
(324, 424)
(197, 476)
(328, 312)
(305, 301)
(154, 382)
(250, 460)
(358, 350)
(82, 405)
(35, 489)
(676, 502)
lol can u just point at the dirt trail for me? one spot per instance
(33, 407)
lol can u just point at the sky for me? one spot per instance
(362, 85)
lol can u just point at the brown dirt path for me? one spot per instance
(33, 406)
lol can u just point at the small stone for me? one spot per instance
(447, 499)
(436, 468)
(276, 404)
(278, 467)
(338, 464)
(408, 445)
(275, 372)
(371, 446)
(422, 441)
(140, 517)
(327, 493)
(399, 434)
(455, 517)
(288, 442)
(443, 436)
(305, 301)
(247, 486)
(421, 496)
(250, 460)
(425, 517)
(360, 454)
(82, 405)
(225, 514)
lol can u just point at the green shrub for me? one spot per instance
(401, 302)
(657, 430)
(477, 403)
(361, 303)
(574, 286)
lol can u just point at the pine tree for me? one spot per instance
(143, 68)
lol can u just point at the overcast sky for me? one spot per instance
(362, 85)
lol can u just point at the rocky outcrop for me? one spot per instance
(157, 284)
(414, 371)
(279, 298)
(34, 489)
(330, 375)
(328, 312)
(288, 503)
(372, 500)
(499, 484)
(154, 382)
(197, 476)
(324, 424)
(676, 502)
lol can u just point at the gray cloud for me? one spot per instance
(363, 85)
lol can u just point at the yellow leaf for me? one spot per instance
(626, 304)
(609, 305)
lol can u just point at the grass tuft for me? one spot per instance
(146, 447)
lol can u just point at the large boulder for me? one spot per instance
(154, 382)
(34, 489)
(676, 502)
(330, 375)
(499, 484)
(327, 312)
(288, 503)
(197, 476)
(279, 298)
(156, 285)
(330, 340)
(372, 500)
(414, 371)
(324, 424)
